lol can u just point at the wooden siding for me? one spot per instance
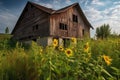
(30, 18)
(74, 28)
(36, 21)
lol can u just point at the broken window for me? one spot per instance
(35, 27)
(63, 26)
(75, 18)
(83, 32)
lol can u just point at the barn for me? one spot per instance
(42, 24)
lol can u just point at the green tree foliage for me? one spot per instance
(7, 30)
(103, 31)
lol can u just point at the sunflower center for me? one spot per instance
(85, 46)
(107, 59)
(68, 52)
(54, 42)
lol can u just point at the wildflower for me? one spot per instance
(89, 55)
(68, 52)
(74, 40)
(61, 48)
(55, 42)
(41, 50)
(86, 47)
(107, 59)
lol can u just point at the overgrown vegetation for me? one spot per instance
(81, 60)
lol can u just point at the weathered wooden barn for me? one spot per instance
(37, 21)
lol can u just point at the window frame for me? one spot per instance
(63, 26)
(75, 18)
(35, 28)
(83, 32)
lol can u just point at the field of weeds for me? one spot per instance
(81, 60)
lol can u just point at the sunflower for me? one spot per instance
(86, 47)
(107, 59)
(74, 40)
(69, 52)
(55, 42)
(41, 50)
(61, 48)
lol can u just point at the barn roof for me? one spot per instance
(51, 11)
(48, 10)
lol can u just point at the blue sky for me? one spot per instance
(97, 12)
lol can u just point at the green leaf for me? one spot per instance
(114, 68)
(107, 72)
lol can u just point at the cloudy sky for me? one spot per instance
(97, 12)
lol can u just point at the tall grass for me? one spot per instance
(86, 61)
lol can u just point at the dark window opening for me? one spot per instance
(75, 18)
(31, 6)
(83, 32)
(35, 27)
(29, 37)
(66, 42)
(34, 40)
(63, 26)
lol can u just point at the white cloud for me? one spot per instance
(46, 5)
(93, 14)
(54, 5)
(68, 1)
(97, 2)
(110, 16)
(116, 3)
(86, 2)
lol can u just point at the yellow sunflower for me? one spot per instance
(61, 48)
(69, 52)
(74, 40)
(41, 50)
(55, 42)
(107, 59)
(86, 47)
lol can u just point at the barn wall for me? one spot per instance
(75, 29)
(30, 18)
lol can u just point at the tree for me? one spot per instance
(7, 30)
(103, 31)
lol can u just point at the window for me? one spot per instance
(83, 32)
(31, 6)
(75, 18)
(63, 26)
(35, 27)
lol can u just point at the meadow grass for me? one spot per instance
(81, 60)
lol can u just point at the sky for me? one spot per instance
(98, 12)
